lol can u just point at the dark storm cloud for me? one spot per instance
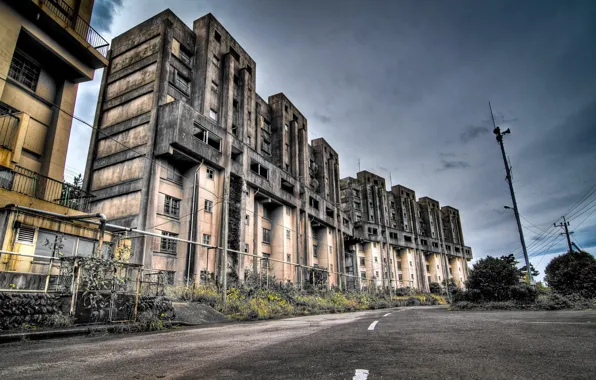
(322, 118)
(446, 165)
(470, 133)
(103, 14)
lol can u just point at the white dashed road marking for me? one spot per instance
(386, 314)
(361, 374)
(372, 325)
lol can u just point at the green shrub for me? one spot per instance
(491, 279)
(523, 294)
(573, 272)
(435, 288)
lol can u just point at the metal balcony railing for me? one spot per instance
(8, 128)
(24, 181)
(65, 13)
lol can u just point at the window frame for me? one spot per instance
(167, 245)
(18, 74)
(266, 235)
(171, 206)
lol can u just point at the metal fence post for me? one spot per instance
(138, 290)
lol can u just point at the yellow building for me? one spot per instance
(47, 48)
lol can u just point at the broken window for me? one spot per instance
(181, 81)
(257, 168)
(217, 36)
(362, 261)
(266, 236)
(171, 206)
(213, 114)
(206, 239)
(408, 238)
(363, 275)
(24, 70)
(208, 205)
(288, 235)
(184, 56)
(208, 137)
(210, 173)
(168, 245)
(315, 252)
(313, 203)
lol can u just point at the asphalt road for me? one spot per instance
(410, 343)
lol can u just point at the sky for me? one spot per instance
(401, 88)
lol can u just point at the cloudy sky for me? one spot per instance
(403, 87)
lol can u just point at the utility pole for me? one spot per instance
(565, 224)
(497, 132)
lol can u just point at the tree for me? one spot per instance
(573, 272)
(491, 278)
(523, 272)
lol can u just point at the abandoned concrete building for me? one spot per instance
(184, 147)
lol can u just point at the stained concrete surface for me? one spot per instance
(411, 343)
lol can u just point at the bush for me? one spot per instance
(523, 294)
(573, 272)
(491, 279)
(435, 288)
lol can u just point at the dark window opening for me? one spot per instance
(236, 80)
(24, 70)
(171, 206)
(168, 245)
(313, 203)
(329, 212)
(266, 236)
(287, 186)
(249, 69)
(234, 54)
(257, 168)
(217, 36)
(408, 238)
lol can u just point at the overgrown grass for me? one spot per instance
(248, 303)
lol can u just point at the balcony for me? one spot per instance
(24, 181)
(64, 24)
(185, 135)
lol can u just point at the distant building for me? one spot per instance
(46, 49)
(180, 125)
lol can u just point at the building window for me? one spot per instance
(408, 238)
(171, 206)
(266, 235)
(210, 173)
(184, 57)
(376, 259)
(377, 274)
(288, 211)
(208, 205)
(330, 249)
(206, 239)
(217, 36)
(289, 258)
(207, 137)
(213, 114)
(257, 168)
(315, 252)
(26, 235)
(362, 261)
(412, 276)
(410, 264)
(215, 61)
(24, 70)
(168, 245)
(181, 81)
(363, 275)
(288, 235)
(214, 86)
(246, 247)
(400, 277)
(247, 220)
(427, 268)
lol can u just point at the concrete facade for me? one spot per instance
(185, 143)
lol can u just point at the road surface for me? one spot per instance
(408, 343)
